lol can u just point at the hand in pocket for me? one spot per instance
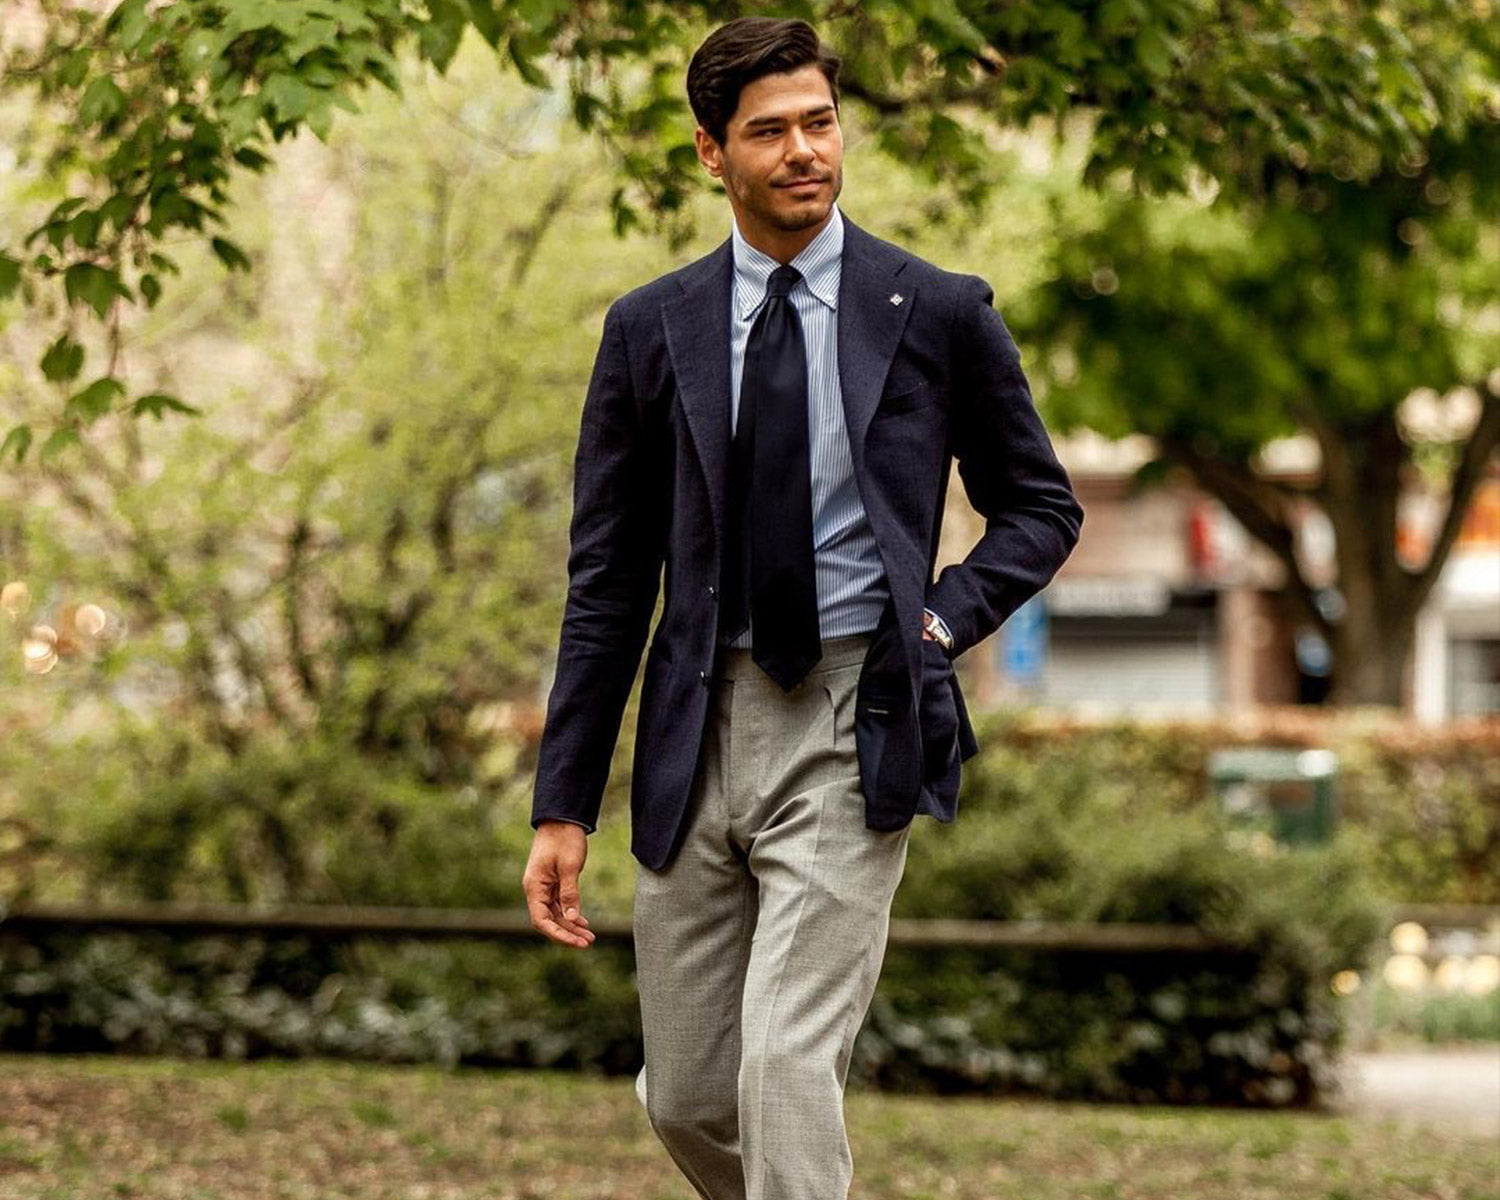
(938, 715)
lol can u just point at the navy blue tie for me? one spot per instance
(770, 496)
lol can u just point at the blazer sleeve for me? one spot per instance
(1010, 474)
(617, 543)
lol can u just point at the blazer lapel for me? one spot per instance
(697, 325)
(873, 312)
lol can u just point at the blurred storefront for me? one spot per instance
(1457, 660)
(1167, 607)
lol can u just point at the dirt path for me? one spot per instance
(1456, 1088)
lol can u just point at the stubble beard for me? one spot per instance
(759, 202)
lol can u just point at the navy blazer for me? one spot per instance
(928, 372)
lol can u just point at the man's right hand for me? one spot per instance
(558, 851)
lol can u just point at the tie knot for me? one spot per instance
(782, 280)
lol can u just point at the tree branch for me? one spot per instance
(1467, 473)
(291, 581)
(1259, 508)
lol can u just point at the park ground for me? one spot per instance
(85, 1128)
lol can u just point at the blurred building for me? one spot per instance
(1457, 661)
(1167, 606)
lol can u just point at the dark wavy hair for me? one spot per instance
(740, 52)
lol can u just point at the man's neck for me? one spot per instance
(782, 245)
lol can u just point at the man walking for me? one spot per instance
(770, 429)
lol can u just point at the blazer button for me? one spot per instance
(713, 591)
(703, 678)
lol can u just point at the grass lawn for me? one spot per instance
(97, 1128)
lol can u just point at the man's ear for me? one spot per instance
(709, 153)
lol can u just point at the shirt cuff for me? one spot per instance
(583, 825)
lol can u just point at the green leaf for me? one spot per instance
(383, 67)
(95, 400)
(946, 18)
(288, 95)
(1151, 473)
(1155, 50)
(486, 20)
(101, 102)
(247, 156)
(63, 359)
(586, 109)
(318, 32)
(118, 210)
(61, 210)
(247, 15)
(128, 24)
(10, 275)
(623, 213)
(352, 18)
(94, 285)
(84, 229)
(440, 35)
(530, 72)
(156, 403)
(150, 289)
(1116, 16)
(540, 15)
(230, 255)
(202, 50)
(320, 120)
(19, 437)
(59, 438)
(75, 68)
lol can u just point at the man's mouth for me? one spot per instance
(802, 183)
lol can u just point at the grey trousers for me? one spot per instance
(759, 944)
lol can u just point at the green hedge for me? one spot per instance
(1059, 820)
(1071, 828)
(250, 997)
(1424, 803)
(315, 822)
(1049, 828)
(1155, 1028)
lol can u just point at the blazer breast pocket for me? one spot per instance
(913, 398)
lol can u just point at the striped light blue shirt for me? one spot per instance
(852, 588)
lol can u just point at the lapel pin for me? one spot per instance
(896, 297)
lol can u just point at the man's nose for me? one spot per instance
(799, 150)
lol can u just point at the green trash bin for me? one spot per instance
(1290, 793)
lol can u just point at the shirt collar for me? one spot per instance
(818, 262)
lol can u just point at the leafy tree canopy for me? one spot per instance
(169, 97)
(1319, 309)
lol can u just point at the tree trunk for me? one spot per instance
(1369, 663)
(1360, 489)
(1364, 462)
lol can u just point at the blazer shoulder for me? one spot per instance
(638, 311)
(961, 286)
(913, 266)
(629, 309)
(648, 297)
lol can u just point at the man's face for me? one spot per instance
(784, 132)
